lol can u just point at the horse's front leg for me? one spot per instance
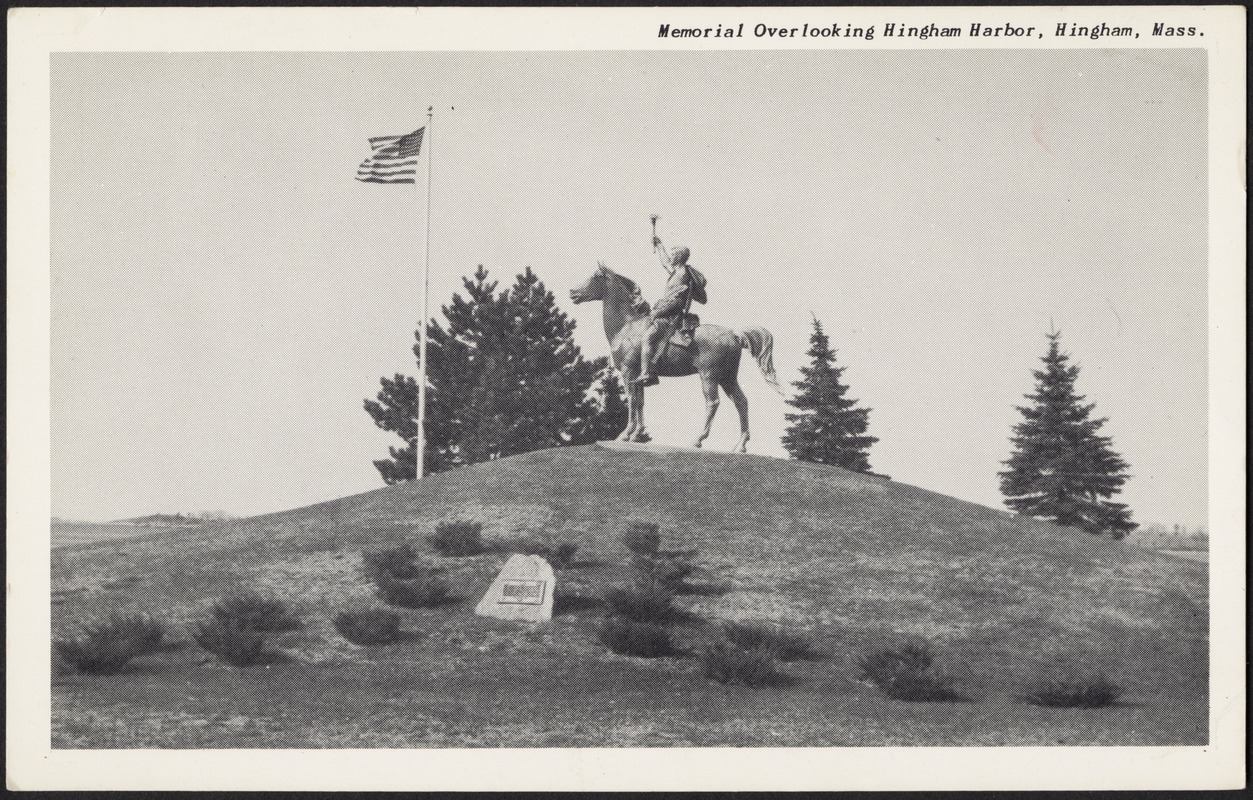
(710, 387)
(637, 395)
(741, 405)
(632, 413)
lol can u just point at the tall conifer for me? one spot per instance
(829, 430)
(1061, 469)
(611, 419)
(503, 377)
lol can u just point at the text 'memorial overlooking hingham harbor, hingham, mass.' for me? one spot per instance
(975, 30)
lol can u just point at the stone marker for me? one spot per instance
(523, 590)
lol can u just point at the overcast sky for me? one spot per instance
(224, 294)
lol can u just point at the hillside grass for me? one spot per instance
(851, 562)
(73, 533)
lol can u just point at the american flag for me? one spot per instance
(395, 159)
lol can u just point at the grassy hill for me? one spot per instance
(852, 561)
(66, 533)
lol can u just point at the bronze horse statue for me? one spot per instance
(714, 353)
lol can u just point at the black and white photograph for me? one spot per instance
(743, 398)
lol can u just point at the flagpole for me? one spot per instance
(420, 451)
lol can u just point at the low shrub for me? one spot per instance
(427, 590)
(393, 562)
(1078, 691)
(561, 556)
(643, 538)
(145, 633)
(641, 605)
(232, 643)
(459, 538)
(368, 626)
(567, 602)
(651, 567)
(783, 645)
(726, 663)
(105, 648)
(907, 673)
(254, 612)
(664, 573)
(94, 656)
(628, 638)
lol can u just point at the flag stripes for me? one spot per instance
(395, 159)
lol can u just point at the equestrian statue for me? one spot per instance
(668, 341)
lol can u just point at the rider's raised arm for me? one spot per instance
(663, 254)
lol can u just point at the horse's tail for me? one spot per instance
(760, 343)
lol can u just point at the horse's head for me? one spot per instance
(605, 283)
(593, 288)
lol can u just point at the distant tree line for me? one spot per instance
(1176, 536)
(180, 518)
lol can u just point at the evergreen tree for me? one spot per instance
(1061, 469)
(504, 377)
(611, 419)
(830, 430)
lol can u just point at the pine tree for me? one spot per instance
(1061, 469)
(504, 377)
(830, 430)
(611, 418)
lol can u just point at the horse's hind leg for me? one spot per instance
(741, 405)
(710, 387)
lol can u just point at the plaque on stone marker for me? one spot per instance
(523, 591)
(526, 592)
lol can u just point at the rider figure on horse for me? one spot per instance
(684, 285)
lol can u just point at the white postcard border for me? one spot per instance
(36, 33)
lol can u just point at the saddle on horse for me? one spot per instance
(666, 332)
(684, 332)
